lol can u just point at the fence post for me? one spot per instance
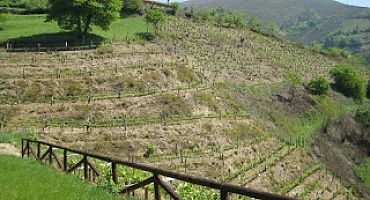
(86, 172)
(224, 194)
(38, 150)
(51, 155)
(22, 152)
(65, 160)
(114, 173)
(156, 187)
(28, 148)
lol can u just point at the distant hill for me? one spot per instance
(307, 21)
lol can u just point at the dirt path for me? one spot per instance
(8, 149)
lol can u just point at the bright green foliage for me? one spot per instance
(79, 15)
(193, 192)
(3, 19)
(293, 81)
(174, 8)
(363, 172)
(132, 6)
(254, 23)
(363, 116)
(155, 16)
(318, 86)
(317, 47)
(349, 82)
(334, 51)
(234, 19)
(24, 179)
(272, 27)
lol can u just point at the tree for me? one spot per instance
(79, 15)
(254, 23)
(318, 86)
(272, 27)
(3, 19)
(132, 6)
(174, 8)
(294, 82)
(155, 16)
(317, 47)
(349, 82)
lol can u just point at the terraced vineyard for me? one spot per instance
(173, 103)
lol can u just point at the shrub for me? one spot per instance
(349, 82)
(174, 8)
(3, 19)
(363, 116)
(104, 49)
(132, 7)
(318, 86)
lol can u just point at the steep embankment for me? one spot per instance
(343, 145)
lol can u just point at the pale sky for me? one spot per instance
(362, 3)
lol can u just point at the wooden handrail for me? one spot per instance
(224, 188)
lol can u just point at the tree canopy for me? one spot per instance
(3, 19)
(155, 16)
(79, 15)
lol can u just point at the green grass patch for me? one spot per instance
(363, 172)
(16, 138)
(25, 179)
(34, 29)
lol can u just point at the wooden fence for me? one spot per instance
(91, 172)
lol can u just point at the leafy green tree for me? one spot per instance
(254, 23)
(294, 82)
(334, 51)
(3, 19)
(349, 82)
(317, 47)
(79, 15)
(318, 86)
(174, 8)
(363, 115)
(155, 16)
(132, 6)
(272, 27)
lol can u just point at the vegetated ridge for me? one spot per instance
(204, 99)
(307, 21)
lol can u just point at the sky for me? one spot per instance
(361, 3)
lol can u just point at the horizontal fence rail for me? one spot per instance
(91, 172)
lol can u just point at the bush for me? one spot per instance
(318, 86)
(132, 7)
(349, 82)
(363, 116)
(104, 49)
(3, 19)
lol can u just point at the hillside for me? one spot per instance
(202, 99)
(307, 21)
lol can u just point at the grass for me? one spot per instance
(363, 172)
(25, 179)
(16, 138)
(33, 27)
